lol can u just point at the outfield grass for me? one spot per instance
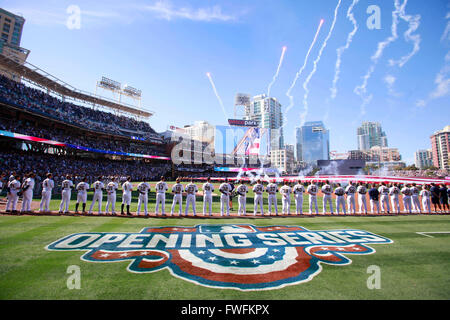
(413, 267)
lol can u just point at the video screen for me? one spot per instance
(248, 141)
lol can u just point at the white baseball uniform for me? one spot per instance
(143, 189)
(208, 189)
(161, 188)
(12, 198)
(47, 186)
(415, 199)
(340, 201)
(111, 188)
(258, 201)
(327, 191)
(286, 199)
(27, 195)
(191, 190)
(225, 189)
(312, 191)
(362, 198)
(350, 191)
(298, 196)
(242, 191)
(272, 190)
(82, 189)
(426, 200)
(177, 190)
(98, 187)
(127, 187)
(394, 192)
(384, 199)
(407, 199)
(66, 187)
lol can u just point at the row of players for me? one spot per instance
(379, 197)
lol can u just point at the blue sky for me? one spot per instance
(165, 49)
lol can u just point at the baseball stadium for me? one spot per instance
(96, 204)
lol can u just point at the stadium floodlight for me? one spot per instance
(241, 100)
(109, 84)
(132, 92)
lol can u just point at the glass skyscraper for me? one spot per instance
(313, 142)
(370, 135)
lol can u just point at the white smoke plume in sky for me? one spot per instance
(413, 25)
(217, 94)
(283, 51)
(340, 50)
(316, 62)
(361, 90)
(288, 93)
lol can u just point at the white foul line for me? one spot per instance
(424, 233)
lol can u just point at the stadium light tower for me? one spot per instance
(118, 90)
(241, 100)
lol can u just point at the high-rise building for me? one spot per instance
(283, 159)
(440, 147)
(298, 145)
(267, 111)
(370, 135)
(423, 158)
(314, 142)
(11, 26)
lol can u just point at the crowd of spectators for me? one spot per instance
(37, 101)
(22, 162)
(91, 141)
(429, 173)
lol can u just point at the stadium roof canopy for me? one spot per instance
(43, 79)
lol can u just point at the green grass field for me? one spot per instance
(413, 267)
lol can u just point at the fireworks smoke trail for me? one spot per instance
(278, 71)
(217, 95)
(413, 25)
(308, 79)
(361, 90)
(288, 93)
(340, 50)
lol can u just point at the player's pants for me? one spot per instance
(26, 201)
(384, 199)
(65, 200)
(416, 204)
(395, 204)
(126, 199)
(258, 202)
(82, 197)
(142, 200)
(207, 201)
(373, 204)
(242, 201)
(340, 202)
(299, 204)
(362, 201)
(272, 199)
(313, 200)
(407, 203)
(111, 200)
(351, 207)
(190, 200)
(426, 203)
(286, 201)
(98, 196)
(160, 199)
(45, 201)
(327, 198)
(177, 198)
(11, 202)
(224, 202)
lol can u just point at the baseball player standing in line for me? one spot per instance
(394, 191)
(406, 191)
(426, 198)
(272, 190)
(286, 198)
(161, 188)
(312, 191)
(374, 202)
(66, 187)
(208, 189)
(27, 189)
(415, 199)
(82, 189)
(298, 191)
(127, 188)
(12, 188)
(384, 199)
(362, 200)
(47, 186)
(258, 190)
(225, 189)
(111, 188)
(327, 191)
(242, 191)
(177, 190)
(191, 190)
(143, 189)
(350, 191)
(98, 187)
(340, 201)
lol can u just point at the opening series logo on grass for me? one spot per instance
(226, 256)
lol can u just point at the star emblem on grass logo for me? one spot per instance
(226, 256)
